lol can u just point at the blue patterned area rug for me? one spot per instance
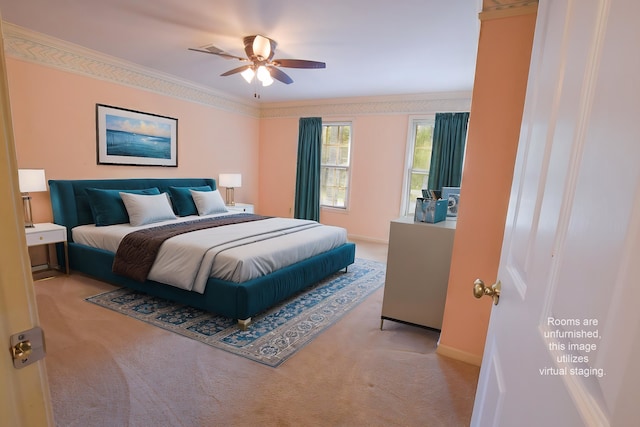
(274, 335)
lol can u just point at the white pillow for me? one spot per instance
(147, 209)
(208, 202)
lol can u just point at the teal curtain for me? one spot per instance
(449, 138)
(307, 199)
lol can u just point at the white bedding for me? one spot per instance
(237, 252)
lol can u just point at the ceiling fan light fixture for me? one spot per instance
(264, 76)
(268, 81)
(259, 65)
(248, 74)
(262, 47)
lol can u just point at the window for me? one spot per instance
(334, 167)
(420, 137)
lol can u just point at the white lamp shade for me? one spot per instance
(262, 46)
(267, 80)
(248, 74)
(264, 75)
(32, 180)
(230, 180)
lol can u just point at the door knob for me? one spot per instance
(479, 289)
(22, 350)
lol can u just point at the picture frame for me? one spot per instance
(134, 138)
(452, 196)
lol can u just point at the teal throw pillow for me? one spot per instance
(182, 200)
(107, 206)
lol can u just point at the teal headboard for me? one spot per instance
(70, 204)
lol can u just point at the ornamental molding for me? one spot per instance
(410, 104)
(494, 9)
(41, 49)
(44, 50)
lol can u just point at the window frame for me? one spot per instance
(347, 168)
(413, 122)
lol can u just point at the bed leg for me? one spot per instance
(244, 323)
(346, 269)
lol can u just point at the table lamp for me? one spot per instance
(30, 180)
(230, 181)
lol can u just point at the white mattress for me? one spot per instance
(237, 252)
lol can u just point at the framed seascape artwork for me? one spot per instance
(127, 137)
(452, 196)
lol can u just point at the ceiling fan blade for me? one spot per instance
(298, 63)
(235, 70)
(220, 53)
(279, 75)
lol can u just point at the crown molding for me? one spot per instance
(44, 50)
(496, 9)
(41, 49)
(397, 104)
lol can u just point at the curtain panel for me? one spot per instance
(449, 139)
(307, 199)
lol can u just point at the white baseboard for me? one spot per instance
(366, 239)
(463, 356)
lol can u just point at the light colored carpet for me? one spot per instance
(106, 369)
(273, 336)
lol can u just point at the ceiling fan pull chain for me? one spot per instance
(256, 89)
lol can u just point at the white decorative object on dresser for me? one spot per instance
(418, 265)
(240, 207)
(47, 234)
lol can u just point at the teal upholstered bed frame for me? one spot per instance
(235, 300)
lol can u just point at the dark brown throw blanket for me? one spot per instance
(138, 250)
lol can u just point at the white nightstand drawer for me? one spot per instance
(240, 207)
(43, 234)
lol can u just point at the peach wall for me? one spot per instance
(277, 159)
(53, 114)
(504, 52)
(378, 155)
(377, 165)
(54, 123)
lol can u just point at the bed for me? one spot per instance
(235, 297)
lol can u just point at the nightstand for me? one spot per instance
(48, 234)
(240, 207)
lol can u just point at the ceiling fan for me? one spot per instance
(260, 51)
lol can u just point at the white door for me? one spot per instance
(24, 393)
(563, 347)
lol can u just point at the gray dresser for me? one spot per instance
(418, 265)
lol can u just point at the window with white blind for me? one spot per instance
(418, 160)
(335, 164)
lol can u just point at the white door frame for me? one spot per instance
(24, 393)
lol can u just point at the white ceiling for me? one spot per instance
(371, 47)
